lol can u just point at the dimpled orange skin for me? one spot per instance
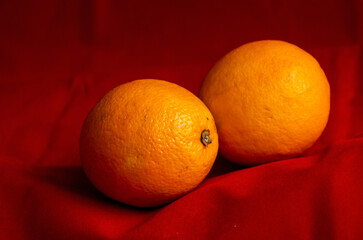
(270, 100)
(141, 143)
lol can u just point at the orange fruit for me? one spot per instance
(148, 142)
(270, 100)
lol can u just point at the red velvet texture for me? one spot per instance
(57, 58)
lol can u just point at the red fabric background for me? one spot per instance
(57, 58)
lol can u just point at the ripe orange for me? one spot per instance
(148, 142)
(270, 100)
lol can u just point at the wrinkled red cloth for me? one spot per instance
(57, 58)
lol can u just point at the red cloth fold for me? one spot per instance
(57, 58)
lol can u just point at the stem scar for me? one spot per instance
(205, 138)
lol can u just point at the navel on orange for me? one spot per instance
(148, 142)
(270, 100)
